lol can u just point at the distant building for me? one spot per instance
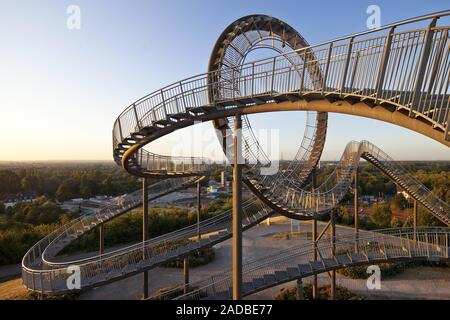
(223, 179)
(87, 206)
(404, 194)
(20, 198)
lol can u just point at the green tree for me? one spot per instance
(380, 215)
(399, 202)
(395, 223)
(31, 183)
(9, 182)
(67, 190)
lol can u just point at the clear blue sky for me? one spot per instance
(60, 89)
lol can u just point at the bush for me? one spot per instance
(196, 259)
(388, 269)
(360, 272)
(324, 293)
(381, 215)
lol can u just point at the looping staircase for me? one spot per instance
(388, 74)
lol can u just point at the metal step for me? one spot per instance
(343, 259)
(316, 265)
(270, 279)
(293, 272)
(258, 283)
(329, 263)
(357, 257)
(281, 275)
(223, 295)
(305, 268)
(247, 287)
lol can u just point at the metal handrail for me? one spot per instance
(392, 241)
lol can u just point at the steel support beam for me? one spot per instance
(186, 274)
(145, 230)
(101, 236)
(314, 245)
(356, 209)
(300, 292)
(415, 220)
(314, 241)
(199, 208)
(237, 210)
(333, 253)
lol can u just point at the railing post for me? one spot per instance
(383, 64)
(355, 68)
(425, 54)
(253, 79)
(164, 103)
(273, 73)
(120, 128)
(237, 211)
(136, 116)
(182, 95)
(302, 82)
(327, 68)
(347, 63)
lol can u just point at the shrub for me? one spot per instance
(324, 293)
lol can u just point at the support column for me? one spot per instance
(199, 208)
(415, 220)
(101, 242)
(144, 230)
(237, 211)
(333, 253)
(356, 209)
(186, 274)
(300, 292)
(314, 240)
(314, 243)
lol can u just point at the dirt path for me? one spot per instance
(13, 290)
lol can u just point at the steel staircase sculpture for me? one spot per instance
(388, 74)
(354, 74)
(42, 272)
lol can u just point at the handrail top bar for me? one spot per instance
(347, 239)
(438, 14)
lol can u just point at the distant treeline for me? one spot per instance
(27, 224)
(371, 181)
(65, 181)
